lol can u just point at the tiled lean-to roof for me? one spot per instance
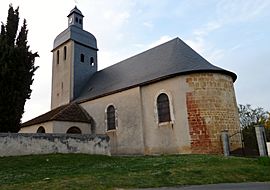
(70, 112)
(164, 61)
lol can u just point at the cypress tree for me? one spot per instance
(16, 71)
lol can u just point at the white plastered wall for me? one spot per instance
(62, 85)
(63, 126)
(170, 137)
(48, 126)
(128, 136)
(57, 127)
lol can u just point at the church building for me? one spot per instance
(166, 100)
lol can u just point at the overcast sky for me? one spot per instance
(232, 34)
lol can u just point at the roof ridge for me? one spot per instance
(84, 112)
(65, 107)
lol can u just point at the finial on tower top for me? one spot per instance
(76, 2)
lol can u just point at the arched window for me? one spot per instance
(57, 57)
(111, 118)
(74, 130)
(82, 57)
(41, 130)
(163, 108)
(92, 63)
(65, 53)
(76, 19)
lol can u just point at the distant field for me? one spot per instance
(78, 171)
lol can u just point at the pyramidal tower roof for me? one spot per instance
(75, 10)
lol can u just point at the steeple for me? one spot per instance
(74, 60)
(75, 18)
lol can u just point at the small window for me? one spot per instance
(80, 21)
(82, 58)
(163, 108)
(76, 19)
(74, 130)
(92, 63)
(41, 130)
(111, 118)
(57, 57)
(65, 52)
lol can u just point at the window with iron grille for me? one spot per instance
(163, 107)
(111, 118)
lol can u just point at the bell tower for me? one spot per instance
(75, 17)
(74, 60)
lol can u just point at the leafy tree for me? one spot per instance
(16, 71)
(267, 123)
(249, 117)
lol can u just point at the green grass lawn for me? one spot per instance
(78, 171)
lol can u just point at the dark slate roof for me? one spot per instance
(78, 35)
(69, 112)
(164, 61)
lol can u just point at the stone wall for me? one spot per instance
(13, 144)
(212, 108)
